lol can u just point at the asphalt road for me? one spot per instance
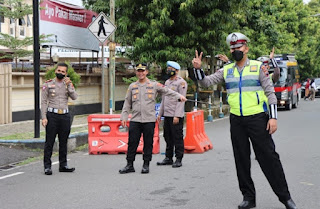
(204, 181)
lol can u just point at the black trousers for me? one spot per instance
(57, 124)
(135, 131)
(173, 135)
(254, 128)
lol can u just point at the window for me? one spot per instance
(22, 22)
(12, 27)
(28, 21)
(283, 75)
(22, 31)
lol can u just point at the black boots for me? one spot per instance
(48, 171)
(128, 169)
(169, 161)
(145, 167)
(290, 204)
(177, 164)
(66, 169)
(252, 204)
(246, 204)
(166, 161)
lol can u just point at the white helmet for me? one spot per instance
(236, 39)
(263, 59)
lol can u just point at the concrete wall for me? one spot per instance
(89, 91)
(5, 93)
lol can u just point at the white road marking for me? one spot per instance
(54, 163)
(11, 175)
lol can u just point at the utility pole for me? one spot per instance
(104, 86)
(112, 59)
(36, 68)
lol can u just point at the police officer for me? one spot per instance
(266, 67)
(247, 87)
(55, 116)
(141, 98)
(173, 112)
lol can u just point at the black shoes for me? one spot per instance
(169, 161)
(47, 171)
(252, 204)
(177, 164)
(247, 204)
(166, 161)
(66, 169)
(128, 169)
(145, 167)
(290, 204)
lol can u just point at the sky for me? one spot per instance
(306, 1)
(79, 2)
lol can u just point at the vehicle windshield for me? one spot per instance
(283, 75)
(317, 81)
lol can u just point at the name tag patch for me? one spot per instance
(254, 68)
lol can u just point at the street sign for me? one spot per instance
(102, 27)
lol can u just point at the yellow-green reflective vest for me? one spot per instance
(245, 93)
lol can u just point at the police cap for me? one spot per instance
(264, 60)
(173, 64)
(236, 39)
(141, 66)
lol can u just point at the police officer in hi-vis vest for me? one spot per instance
(251, 119)
(141, 98)
(173, 112)
(55, 116)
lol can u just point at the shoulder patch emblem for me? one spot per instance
(254, 68)
(230, 73)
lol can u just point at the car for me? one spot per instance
(317, 82)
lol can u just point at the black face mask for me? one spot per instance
(171, 73)
(237, 55)
(59, 75)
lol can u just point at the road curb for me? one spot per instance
(74, 140)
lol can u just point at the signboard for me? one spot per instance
(67, 24)
(102, 27)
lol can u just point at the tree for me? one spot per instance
(162, 30)
(16, 10)
(171, 29)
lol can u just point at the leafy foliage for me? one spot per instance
(16, 10)
(74, 77)
(162, 30)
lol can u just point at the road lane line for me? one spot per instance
(11, 175)
(54, 163)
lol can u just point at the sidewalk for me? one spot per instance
(11, 153)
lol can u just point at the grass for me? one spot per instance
(54, 154)
(33, 159)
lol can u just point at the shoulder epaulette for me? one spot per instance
(48, 80)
